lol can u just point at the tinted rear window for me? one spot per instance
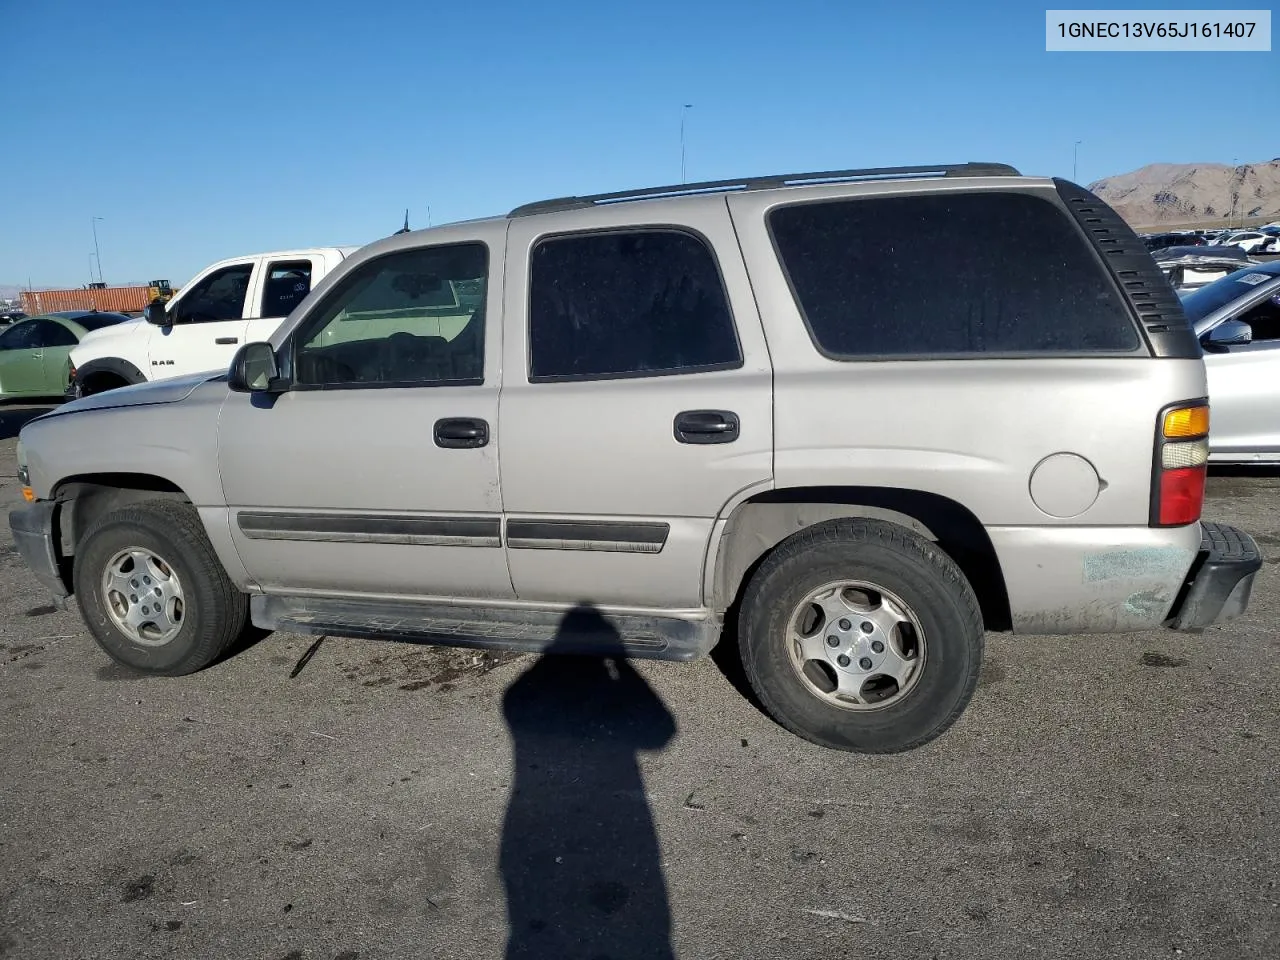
(948, 275)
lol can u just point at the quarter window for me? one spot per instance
(627, 304)
(410, 318)
(948, 275)
(285, 286)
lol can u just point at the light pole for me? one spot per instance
(683, 110)
(1075, 159)
(93, 222)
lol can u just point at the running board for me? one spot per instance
(580, 631)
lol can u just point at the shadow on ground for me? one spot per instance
(580, 858)
(13, 419)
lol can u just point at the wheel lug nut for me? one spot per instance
(867, 626)
(133, 598)
(842, 660)
(877, 646)
(845, 625)
(833, 641)
(865, 663)
(133, 583)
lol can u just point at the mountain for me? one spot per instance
(1189, 193)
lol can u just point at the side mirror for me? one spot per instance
(154, 312)
(1229, 333)
(254, 370)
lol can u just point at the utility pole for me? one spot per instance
(683, 110)
(93, 222)
(1075, 160)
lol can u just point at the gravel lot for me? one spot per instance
(1103, 797)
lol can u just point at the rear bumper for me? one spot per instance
(1220, 581)
(32, 527)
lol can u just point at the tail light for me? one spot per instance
(1181, 462)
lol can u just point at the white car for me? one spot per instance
(227, 304)
(1237, 320)
(1248, 240)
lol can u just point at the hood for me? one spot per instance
(140, 394)
(90, 343)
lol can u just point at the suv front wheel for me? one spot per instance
(153, 592)
(860, 635)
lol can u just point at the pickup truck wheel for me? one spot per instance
(859, 635)
(152, 591)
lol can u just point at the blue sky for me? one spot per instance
(202, 131)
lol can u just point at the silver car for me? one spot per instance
(1237, 319)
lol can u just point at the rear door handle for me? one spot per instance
(227, 340)
(460, 433)
(706, 426)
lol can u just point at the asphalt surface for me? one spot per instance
(1110, 796)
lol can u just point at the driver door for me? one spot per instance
(21, 359)
(1244, 386)
(208, 324)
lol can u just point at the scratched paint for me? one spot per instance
(1143, 562)
(1148, 603)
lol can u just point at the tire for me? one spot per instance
(916, 578)
(210, 614)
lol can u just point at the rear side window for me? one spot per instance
(285, 286)
(627, 304)
(948, 275)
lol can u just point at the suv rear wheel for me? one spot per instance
(152, 591)
(860, 635)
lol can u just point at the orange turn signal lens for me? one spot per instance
(28, 495)
(1187, 422)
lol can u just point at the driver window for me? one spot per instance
(219, 296)
(21, 336)
(410, 318)
(1264, 319)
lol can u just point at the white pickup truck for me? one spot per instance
(227, 304)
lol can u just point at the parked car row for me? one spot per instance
(634, 424)
(1264, 239)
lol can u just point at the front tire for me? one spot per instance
(152, 591)
(859, 635)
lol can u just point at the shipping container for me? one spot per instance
(115, 299)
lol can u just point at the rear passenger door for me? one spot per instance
(635, 401)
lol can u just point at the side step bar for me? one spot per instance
(581, 630)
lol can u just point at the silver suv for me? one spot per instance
(636, 423)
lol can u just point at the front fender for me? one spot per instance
(115, 366)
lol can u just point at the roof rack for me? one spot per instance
(768, 183)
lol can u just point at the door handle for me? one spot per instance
(706, 426)
(226, 340)
(460, 433)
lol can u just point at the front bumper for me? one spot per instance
(32, 527)
(1220, 581)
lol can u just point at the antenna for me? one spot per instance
(405, 228)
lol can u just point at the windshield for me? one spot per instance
(1213, 296)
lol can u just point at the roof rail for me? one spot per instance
(768, 183)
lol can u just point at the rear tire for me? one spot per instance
(859, 635)
(152, 591)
